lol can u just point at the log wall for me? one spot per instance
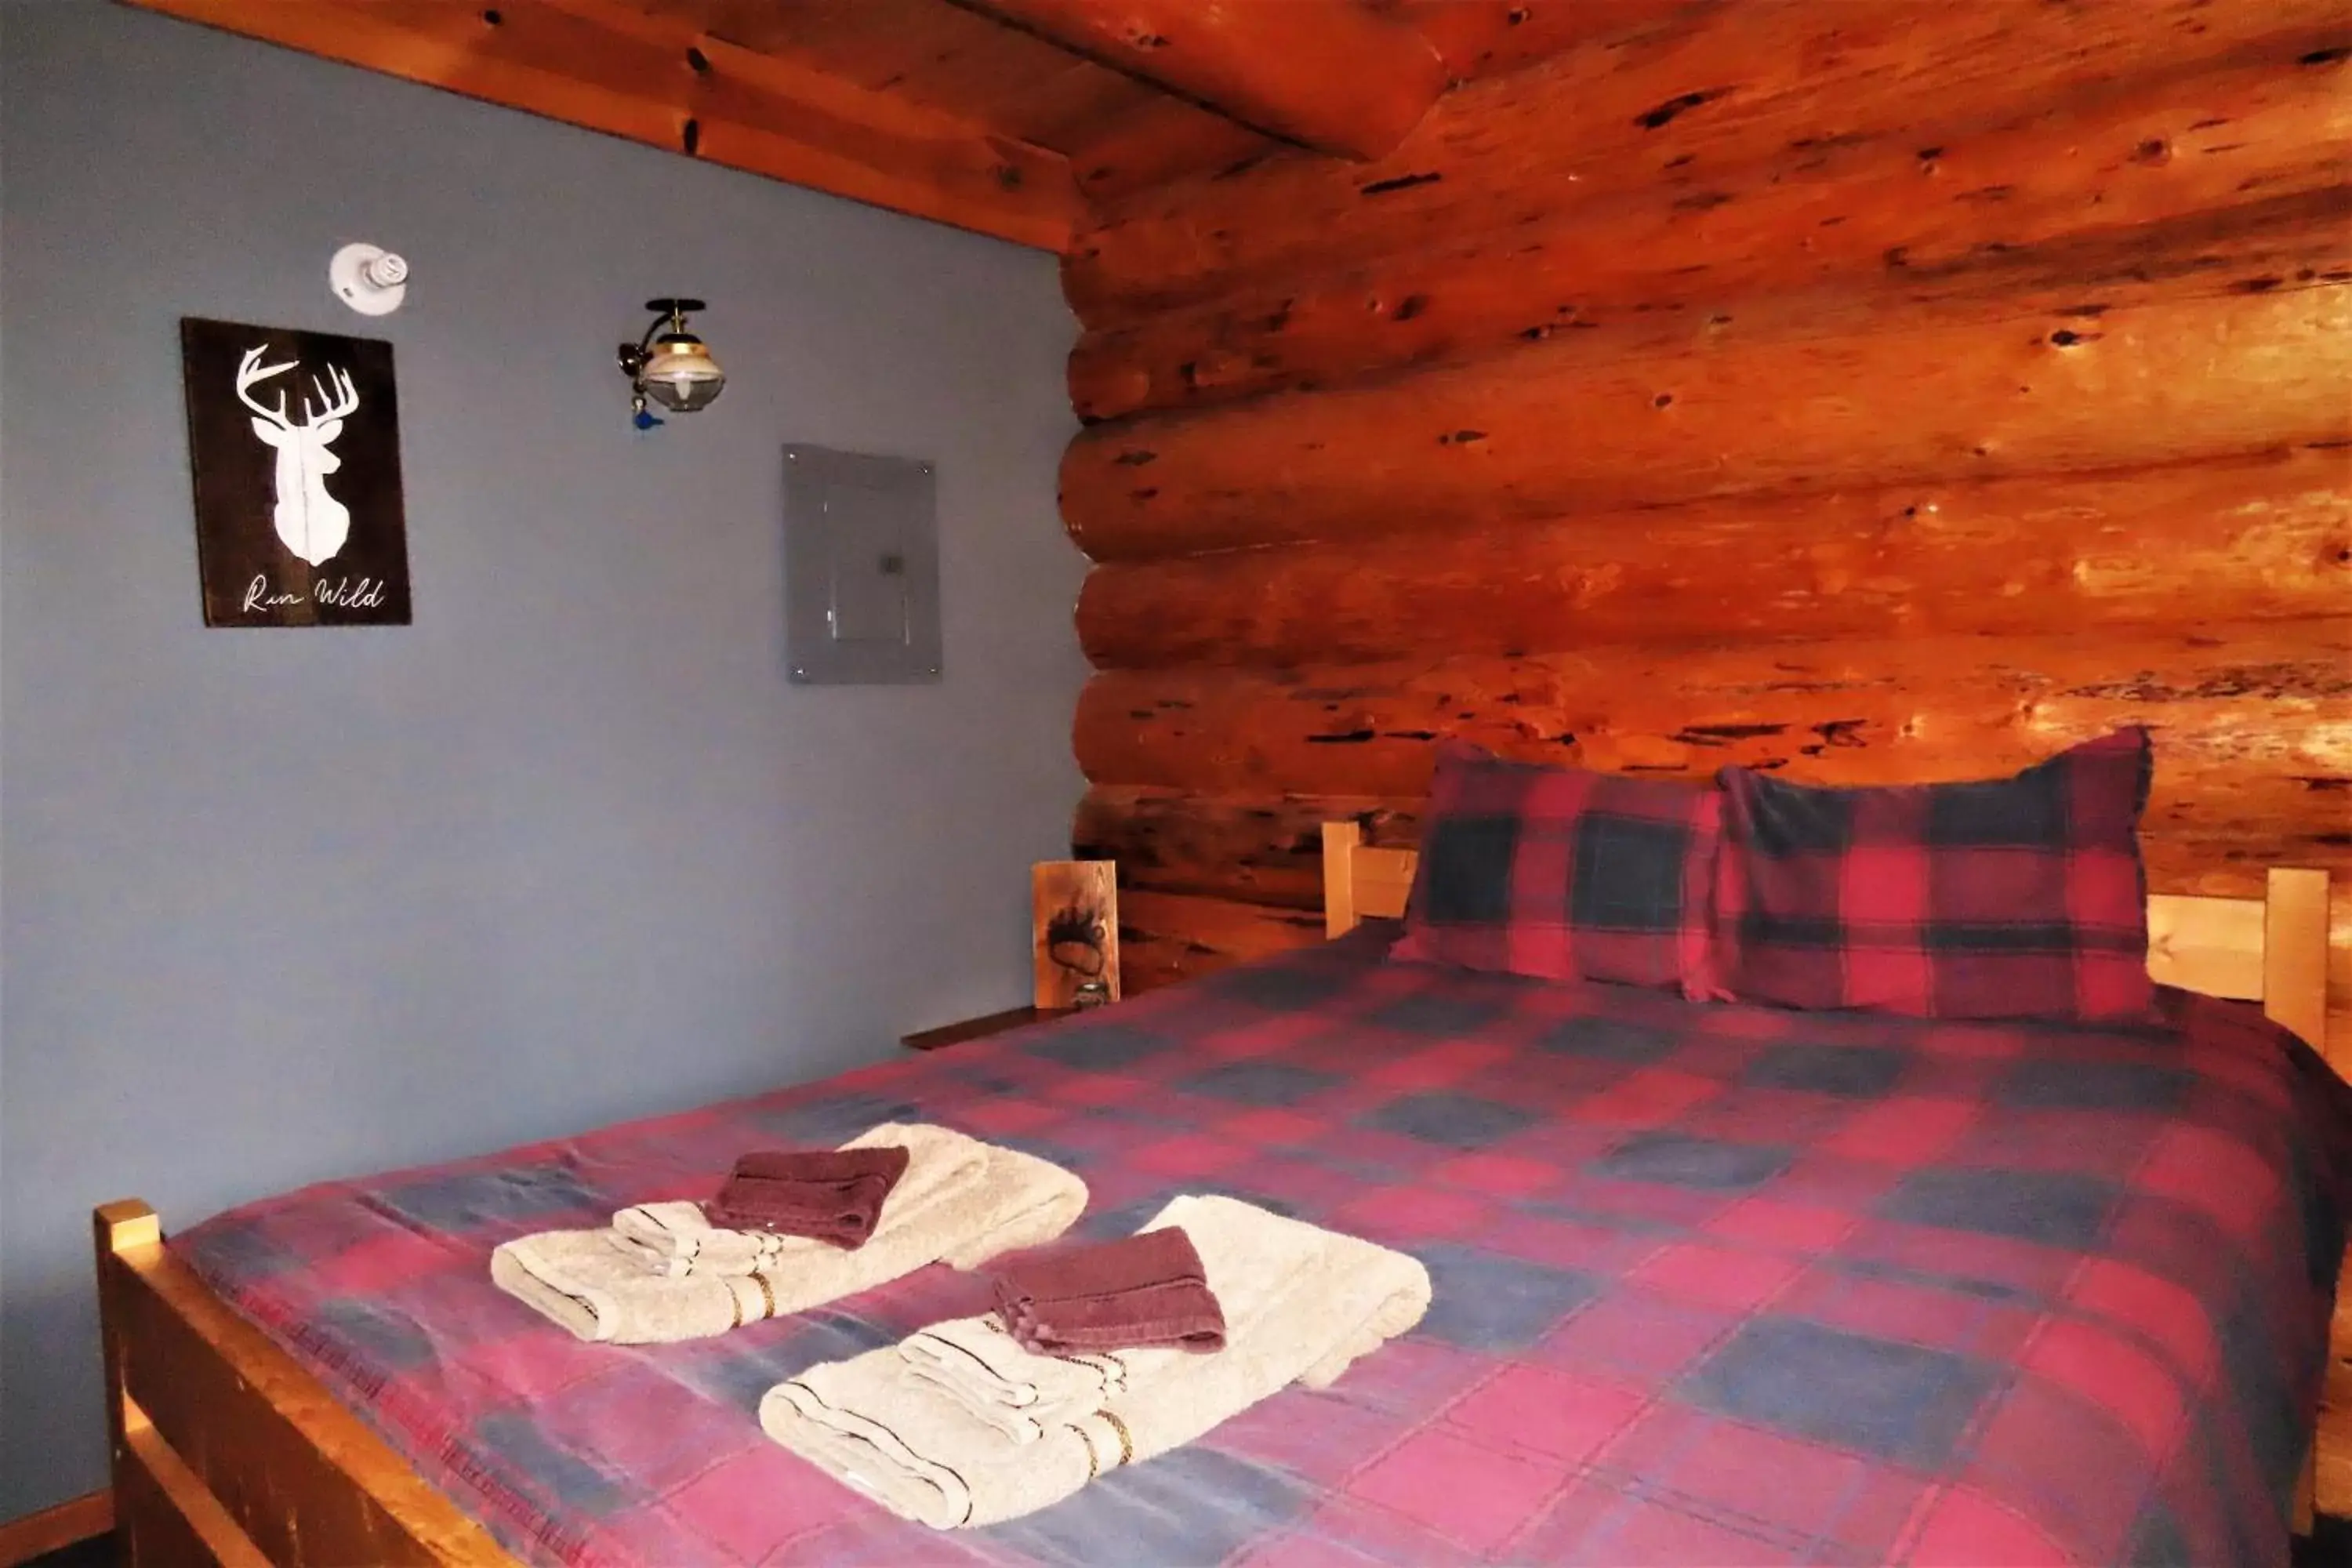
(1876, 390)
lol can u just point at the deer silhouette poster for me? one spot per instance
(294, 439)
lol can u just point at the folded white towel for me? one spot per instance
(1301, 1304)
(961, 1201)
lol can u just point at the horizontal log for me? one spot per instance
(1675, 111)
(1168, 138)
(1327, 74)
(1257, 849)
(2267, 537)
(1561, 427)
(2273, 128)
(2272, 700)
(1167, 937)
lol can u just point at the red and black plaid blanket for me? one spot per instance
(1714, 1284)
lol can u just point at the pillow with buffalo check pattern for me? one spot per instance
(2016, 898)
(1562, 874)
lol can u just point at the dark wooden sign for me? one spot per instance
(294, 439)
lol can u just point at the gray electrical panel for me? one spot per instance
(861, 568)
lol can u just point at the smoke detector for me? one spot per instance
(369, 278)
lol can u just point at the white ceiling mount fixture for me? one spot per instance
(369, 278)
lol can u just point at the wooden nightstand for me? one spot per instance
(981, 1028)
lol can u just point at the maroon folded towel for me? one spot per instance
(1146, 1291)
(830, 1195)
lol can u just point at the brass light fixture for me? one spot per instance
(670, 364)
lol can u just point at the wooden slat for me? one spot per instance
(298, 1474)
(599, 64)
(2295, 953)
(2212, 945)
(1341, 840)
(170, 1520)
(1383, 879)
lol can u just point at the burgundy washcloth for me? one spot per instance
(1146, 1291)
(831, 1194)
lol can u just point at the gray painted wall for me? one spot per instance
(285, 905)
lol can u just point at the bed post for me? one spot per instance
(117, 1227)
(2295, 953)
(1340, 840)
(2295, 997)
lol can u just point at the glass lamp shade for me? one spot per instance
(680, 374)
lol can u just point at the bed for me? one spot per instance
(2070, 1287)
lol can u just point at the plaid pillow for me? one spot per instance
(2017, 898)
(1561, 874)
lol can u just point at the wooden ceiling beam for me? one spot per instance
(1331, 75)
(607, 67)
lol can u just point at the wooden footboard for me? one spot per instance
(226, 1451)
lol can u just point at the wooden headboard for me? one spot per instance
(2271, 950)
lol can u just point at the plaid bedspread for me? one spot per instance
(1714, 1285)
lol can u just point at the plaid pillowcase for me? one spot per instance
(2017, 898)
(1561, 874)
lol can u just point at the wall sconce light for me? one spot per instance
(670, 364)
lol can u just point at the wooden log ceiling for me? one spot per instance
(1006, 117)
(1265, 65)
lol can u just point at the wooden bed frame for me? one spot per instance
(226, 1451)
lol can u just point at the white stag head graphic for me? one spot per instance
(313, 523)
